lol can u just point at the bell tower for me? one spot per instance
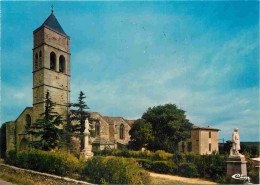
(51, 66)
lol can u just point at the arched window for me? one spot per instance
(52, 60)
(62, 64)
(28, 121)
(97, 128)
(122, 131)
(40, 59)
(36, 61)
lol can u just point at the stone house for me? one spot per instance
(203, 140)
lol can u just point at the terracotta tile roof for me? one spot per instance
(204, 128)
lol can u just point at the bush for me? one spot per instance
(161, 155)
(115, 170)
(188, 170)
(146, 163)
(50, 162)
(166, 167)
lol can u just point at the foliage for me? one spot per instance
(3, 140)
(115, 170)
(165, 167)
(161, 128)
(46, 128)
(141, 134)
(58, 163)
(254, 176)
(188, 170)
(79, 115)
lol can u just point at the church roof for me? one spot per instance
(53, 23)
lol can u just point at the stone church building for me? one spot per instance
(51, 72)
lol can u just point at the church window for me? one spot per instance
(28, 121)
(122, 131)
(40, 59)
(97, 128)
(210, 147)
(36, 61)
(52, 60)
(62, 64)
(209, 134)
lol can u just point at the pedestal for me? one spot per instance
(87, 153)
(236, 164)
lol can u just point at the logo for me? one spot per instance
(241, 177)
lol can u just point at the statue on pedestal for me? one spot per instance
(236, 162)
(87, 148)
(235, 143)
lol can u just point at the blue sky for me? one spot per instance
(128, 56)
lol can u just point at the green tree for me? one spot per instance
(3, 140)
(168, 127)
(79, 115)
(141, 134)
(46, 129)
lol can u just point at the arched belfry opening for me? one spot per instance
(52, 61)
(62, 64)
(40, 59)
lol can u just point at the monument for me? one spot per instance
(87, 147)
(236, 162)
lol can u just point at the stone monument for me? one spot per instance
(236, 162)
(87, 147)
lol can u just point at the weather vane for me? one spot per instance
(52, 8)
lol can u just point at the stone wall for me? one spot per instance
(10, 136)
(38, 177)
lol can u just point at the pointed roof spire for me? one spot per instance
(52, 22)
(52, 8)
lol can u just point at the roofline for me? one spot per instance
(51, 30)
(23, 112)
(205, 128)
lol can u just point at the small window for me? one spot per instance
(62, 64)
(40, 59)
(122, 131)
(210, 147)
(183, 146)
(189, 146)
(36, 61)
(209, 134)
(52, 61)
(28, 121)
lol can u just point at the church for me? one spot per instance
(51, 72)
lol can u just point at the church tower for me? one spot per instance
(51, 66)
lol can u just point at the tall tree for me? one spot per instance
(168, 126)
(79, 115)
(46, 129)
(3, 140)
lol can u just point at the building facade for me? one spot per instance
(203, 140)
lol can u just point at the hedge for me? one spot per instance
(115, 170)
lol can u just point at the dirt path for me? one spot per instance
(183, 179)
(2, 182)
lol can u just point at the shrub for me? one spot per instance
(57, 163)
(161, 155)
(146, 163)
(167, 167)
(188, 170)
(115, 170)
(11, 156)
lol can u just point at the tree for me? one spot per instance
(79, 115)
(46, 128)
(162, 128)
(141, 134)
(3, 140)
